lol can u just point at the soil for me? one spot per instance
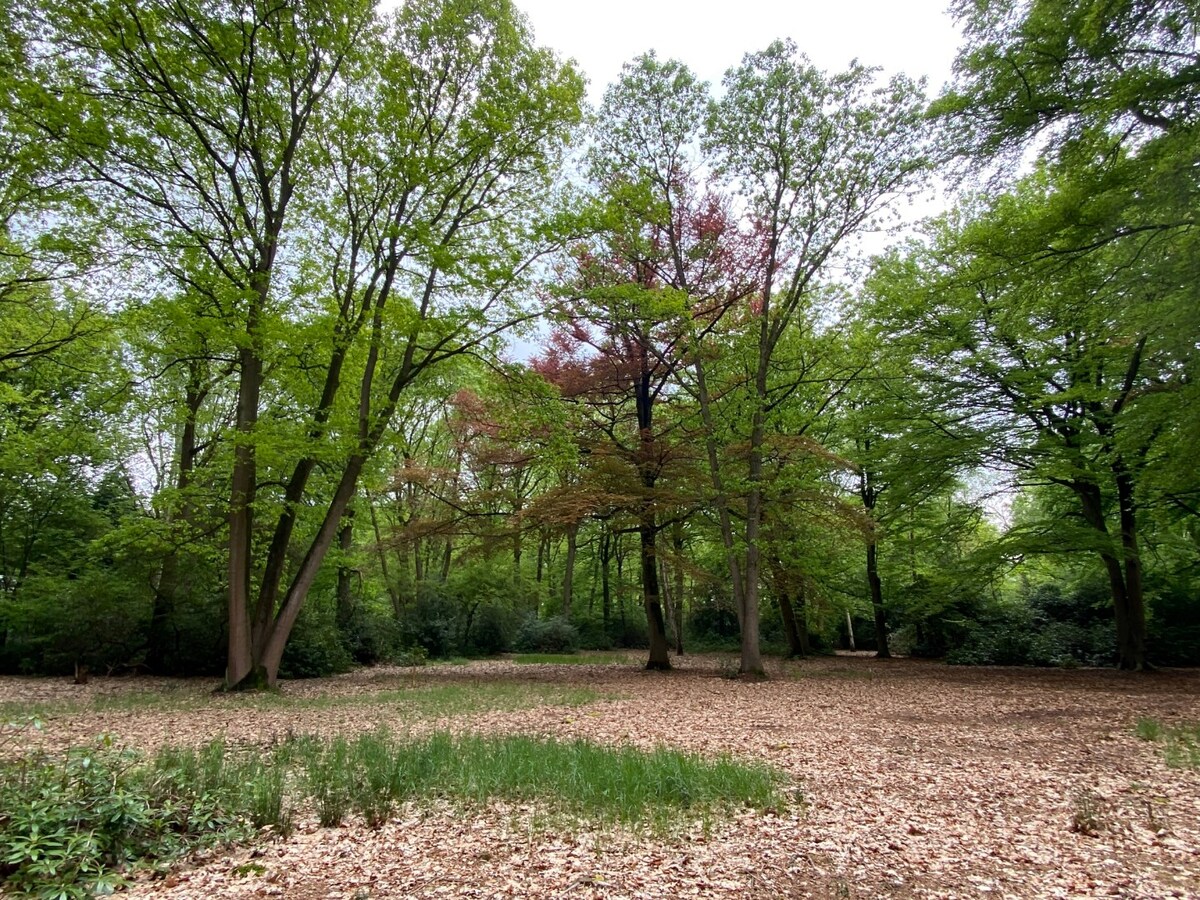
(917, 780)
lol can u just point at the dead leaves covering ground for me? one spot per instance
(919, 780)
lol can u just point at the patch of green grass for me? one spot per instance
(418, 701)
(439, 700)
(570, 659)
(1180, 743)
(75, 826)
(577, 778)
(1148, 729)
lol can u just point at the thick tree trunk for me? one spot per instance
(1131, 641)
(297, 591)
(1124, 574)
(241, 664)
(876, 589)
(660, 658)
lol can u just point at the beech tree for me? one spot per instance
(1057, 360)
(418, 148)
(817, 156)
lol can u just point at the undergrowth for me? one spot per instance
(76, 825)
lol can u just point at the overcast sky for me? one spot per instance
(916, 37)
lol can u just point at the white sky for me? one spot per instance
(916, 37)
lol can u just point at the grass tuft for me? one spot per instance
(1180, 743)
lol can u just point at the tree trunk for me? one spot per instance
(751, 658)
(876, 588)
(1125, 581)
(850, 630)
(660, 658)
(393, 592)
(568, 587)
(543, 539)
(677, 606)
(605, 581)
(1131, 642)
(297, 591)
(241, 664)
(787, 613)
(345, 603)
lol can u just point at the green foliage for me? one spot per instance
(316, 648)
(622, 785)
(75, 827)
(552, 635)
(712, 625)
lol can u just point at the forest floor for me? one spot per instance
(917, 779)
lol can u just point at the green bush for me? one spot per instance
(430, 622)
(711, 622)
(489, 632)
(315, 648)
(553, 635)
(73, 827)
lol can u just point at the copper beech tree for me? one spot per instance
(665, 259)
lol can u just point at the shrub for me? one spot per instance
(314, 650)
(490, 631)
(712, 622)
(553, 635)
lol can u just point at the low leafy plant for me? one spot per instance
(1087, 813)
(553, 635)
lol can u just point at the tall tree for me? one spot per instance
(817, 156)
(667, 261)
(418, 148)
(1056, 359)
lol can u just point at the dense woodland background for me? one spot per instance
(332, 335)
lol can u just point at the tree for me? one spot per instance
(418, 150)
(666, 262)
(1055, 359)
(816, 157)
(1080, 72)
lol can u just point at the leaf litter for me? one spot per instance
(917, 779)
